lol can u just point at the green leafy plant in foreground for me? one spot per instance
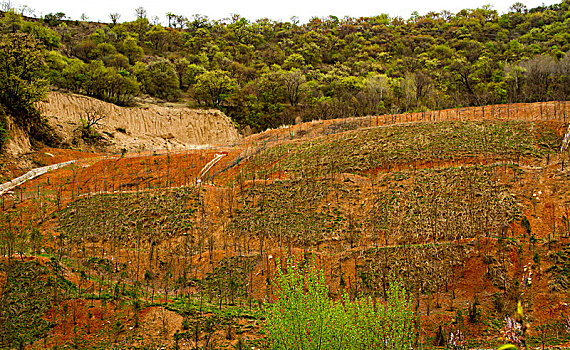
(304, 317)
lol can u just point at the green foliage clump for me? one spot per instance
(161, 80)
(54, 19)
(214, 87)
(49, 39)
(304, 317)
(21, 79)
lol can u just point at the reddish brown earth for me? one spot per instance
(157, 325)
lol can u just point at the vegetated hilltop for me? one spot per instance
(467, 206)
(268, 73)
(471, 215)
(134, 129)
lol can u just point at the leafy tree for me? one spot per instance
(116, 60)
(56, 63)
(73, 75)
(132, 50)
(161, 80)
(97, 76)
(54, 19)
(269, 86)
(514, 76)
(375, 90)
(192, 73)
(102, 50)
(214, 87)
(158, 38)
(44, 35)
(181, 65)
(294, 85)
(122, 87)
(83, 49)
(464, 74)
(21, 78)
(304, 317)
(140, 27)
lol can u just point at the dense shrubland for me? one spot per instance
(265, 73)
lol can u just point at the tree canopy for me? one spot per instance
(21, 79)
(265, 73)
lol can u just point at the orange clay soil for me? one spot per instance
(471, 286)
(543, 190)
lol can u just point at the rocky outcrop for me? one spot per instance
(139, 128)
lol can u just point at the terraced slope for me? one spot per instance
(471, 215)
(412, 145)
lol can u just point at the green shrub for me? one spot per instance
(304, 317)
(88, 133)
(4, 134)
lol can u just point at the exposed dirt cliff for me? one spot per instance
(18, 142)
(139, 128)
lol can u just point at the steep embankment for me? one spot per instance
(139, 128)
(18, 142)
